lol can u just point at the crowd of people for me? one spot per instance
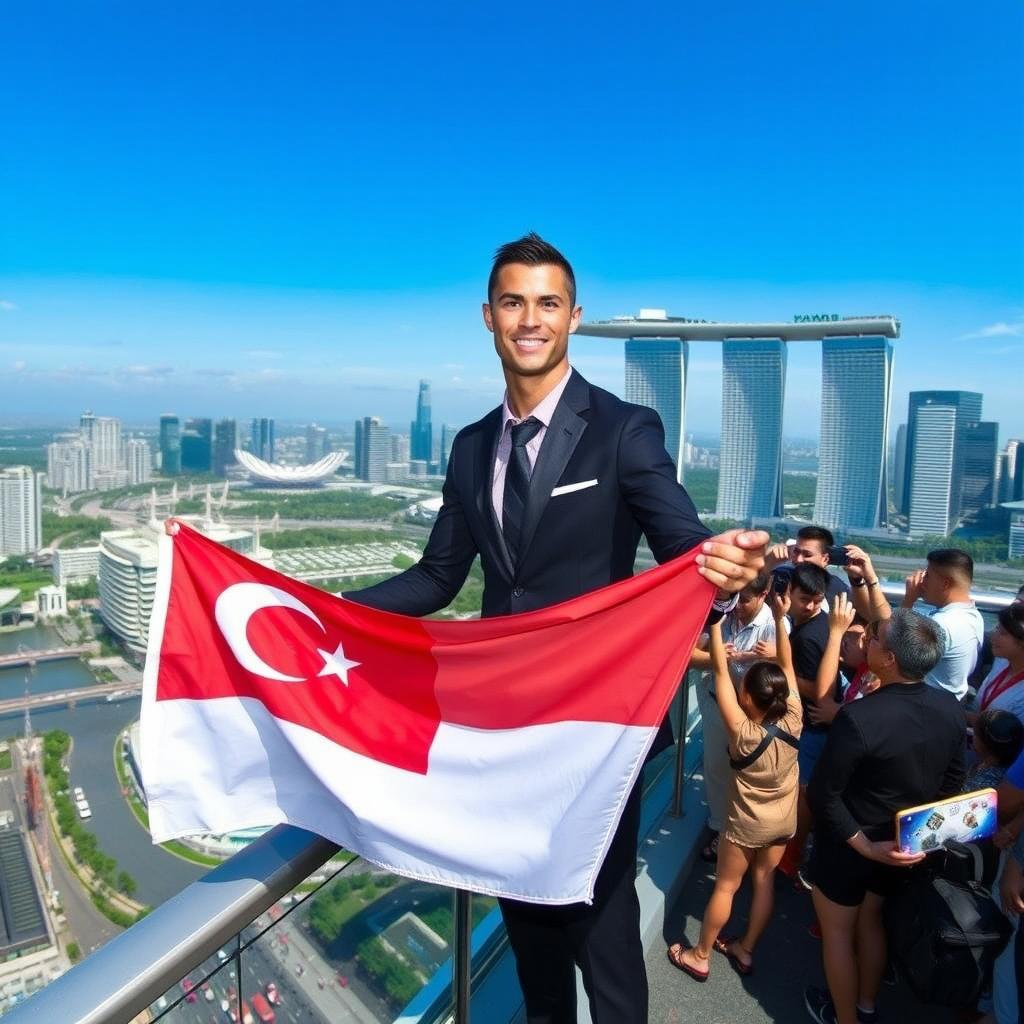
(826, 711)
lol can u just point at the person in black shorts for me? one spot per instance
(900, 746)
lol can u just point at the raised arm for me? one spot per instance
(783, 649)
(725, 691)
(840, 615)
(868, 598)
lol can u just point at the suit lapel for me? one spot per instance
(487, 451)
(563, 434)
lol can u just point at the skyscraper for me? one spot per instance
(448, 433)
(656, 377)
(21, 511)
(317, 443)
(197, 445)
(978, 479)
(966, 411)
(421, 435)
(225, 441)
(753, 392)
(69, 466)
(899, 459)
(968, 406)
(934, 462)
(107, 455)
(1011, 471)
(373, 449)
(262, 439)
(856, 375)
(170, 444)
(139, 457)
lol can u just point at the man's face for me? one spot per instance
(878, 658)
(804, 606)
(531, 317)
(748, 605)
(934, 587)
(811, 551)
(853, 647)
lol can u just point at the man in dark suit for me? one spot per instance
(553, 490)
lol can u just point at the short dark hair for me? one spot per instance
(759, 584)
(532, 250)
(811, 579)
(954, 561)
(768, 688)
(1002, 734)
(915, 641)
(1012, 620)
(818, 533)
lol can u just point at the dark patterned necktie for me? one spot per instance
(517, 485)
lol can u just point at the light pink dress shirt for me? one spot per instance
(544, 411)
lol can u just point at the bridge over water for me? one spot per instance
(77, 695)
(22, 657)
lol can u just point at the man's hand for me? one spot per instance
(859, 565)
(885, 852)
(840, 614)
(777, 555)
(913, 588)
(732, 559)
(780, 604)
(822, 712)
(765, 649)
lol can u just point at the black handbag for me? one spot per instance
(946, 932)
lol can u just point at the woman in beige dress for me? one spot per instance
(763, 723)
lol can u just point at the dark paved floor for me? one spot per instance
(788, 958)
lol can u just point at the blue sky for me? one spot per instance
(240, 209)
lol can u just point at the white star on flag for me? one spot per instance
(336, 664)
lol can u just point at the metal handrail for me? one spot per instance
(130, 972)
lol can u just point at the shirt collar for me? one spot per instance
(544, 410)
(764, 613)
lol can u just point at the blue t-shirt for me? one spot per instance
(1015, 773)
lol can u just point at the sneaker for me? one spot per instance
(819, 1005)
(868, 1016)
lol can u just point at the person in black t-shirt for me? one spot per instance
(808, 639)
(899, 747)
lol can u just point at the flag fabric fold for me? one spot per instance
(494, 755)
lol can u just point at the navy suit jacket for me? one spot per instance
(572, 542)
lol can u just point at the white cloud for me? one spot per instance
(7, 306)
(997, 330)
(18, 364)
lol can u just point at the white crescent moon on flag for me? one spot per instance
(236, 605)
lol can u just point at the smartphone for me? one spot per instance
(965, 818)
(837, 555)
(780, 580)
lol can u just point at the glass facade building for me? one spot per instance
(753, 393)
(931, 487)
(980, 455)
(656, 377)
(421, 433)
(170, 445)
(968, 407)
(856, 377)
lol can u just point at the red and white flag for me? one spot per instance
(494, 755)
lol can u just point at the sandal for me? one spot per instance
(724, 946)
(709, 852)
(675, 952)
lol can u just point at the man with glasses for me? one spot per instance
(901, 746)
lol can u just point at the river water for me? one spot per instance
(93, 728)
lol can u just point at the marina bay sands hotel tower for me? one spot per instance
(856, 371)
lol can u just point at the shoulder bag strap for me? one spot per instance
(771, 732)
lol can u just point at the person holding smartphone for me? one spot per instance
(814, 545)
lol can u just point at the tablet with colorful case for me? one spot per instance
(965, 818)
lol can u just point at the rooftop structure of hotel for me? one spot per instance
(855, 389)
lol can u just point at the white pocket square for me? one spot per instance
(569, 488)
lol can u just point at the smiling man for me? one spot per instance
(553, 489)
